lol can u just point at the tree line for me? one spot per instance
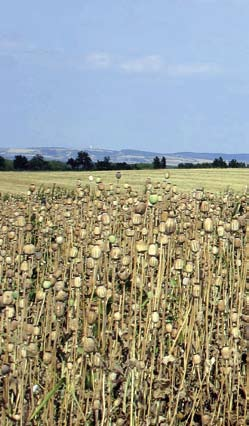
(82, 162)
(36, 163)
(216, 163)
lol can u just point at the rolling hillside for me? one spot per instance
(127, 155)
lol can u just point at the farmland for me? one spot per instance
(124, 301)
(186, 180)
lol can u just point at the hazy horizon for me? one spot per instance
(162, 77)
(93, 148)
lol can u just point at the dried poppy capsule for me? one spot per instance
(117, 316)
(126, 260)
(170, 226)
(77, 282)
(40, 294)
(96, 252)
(105, 219)
(136, 219)
(29, 249)
(145, 231)
(195, 246)
(59, 285)
(196, 359)
(189, 267)
(153, 261)
(153, 250)
(61, 296)
(10, 312)
(196, 290)
(73, 252)
(101, 291)
(168, 327)
(181, 238)
(225, 352)
(129, 232)
(237, 243)
(155, 317)
(28, 329)
(32, 350)
(235, 225)
(235, 332)
(115, 253)
(208, 225)
(141, 246)
(174, 332)
(32, 187)
(91, 317)
(59, 240)
(227, 227)
(7, 298)
(47, 357)
(124, 274)
(221, 305)
(11, 235)
(204, 206)
(37, 330)
(179, 264)
(205, 419)
(20, 221)
(5, 369)
(59, 309)
(140, 208)
(220, 231)
(24, 267)
(234, 317)
(101, 186)
(162, 227)
(88, 344)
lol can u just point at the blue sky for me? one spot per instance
(162, 75)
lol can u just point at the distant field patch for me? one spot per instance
(186, 180)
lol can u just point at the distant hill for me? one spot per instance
(127, 155)
(212, 155)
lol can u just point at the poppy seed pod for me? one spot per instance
(170, 226)
(208, 225)
(88, 344)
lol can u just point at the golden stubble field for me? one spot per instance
(124, 302)
(186, 180)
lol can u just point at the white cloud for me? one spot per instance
(151, 63)
(193, 69)
(98, 60)
(16, 46)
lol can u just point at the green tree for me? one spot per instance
(84, 161)
(38, 163)
(219, 163)
(71, 162)
(104, 164)
(57, 165)
(163, 163)
(236, 164)
(20, 162)
(156, 163)
(2, 163)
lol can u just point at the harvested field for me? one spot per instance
(186, 180)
